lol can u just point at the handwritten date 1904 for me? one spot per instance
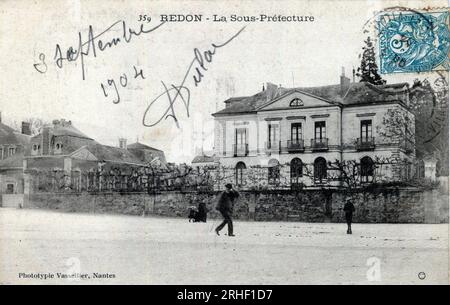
(122, 82)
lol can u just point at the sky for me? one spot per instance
(288, 54)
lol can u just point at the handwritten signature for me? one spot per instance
(197, 67)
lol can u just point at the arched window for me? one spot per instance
(240, 167)
(320, 170)
(58, 148)
(296, 170)
(274, 171)
(367, 169)
(35, 149)
(421, 169)
(296, 103)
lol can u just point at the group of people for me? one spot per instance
(225, 206)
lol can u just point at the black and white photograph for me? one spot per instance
(215, 142)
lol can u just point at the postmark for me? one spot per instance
(413, 41)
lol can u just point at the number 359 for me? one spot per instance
(144, 18)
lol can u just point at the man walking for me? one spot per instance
(349, 208)
(225, 207)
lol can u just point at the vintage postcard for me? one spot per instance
(219, 142)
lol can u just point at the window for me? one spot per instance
(58, 148)
(10, 188)
(35, 149)
(320, 170)
(240, 167)
(273, 135)
(1, 153)
(296, 170)
(274, 171)
(240, 142)
(296, 132)
(241, 137)
(296, 103)
(319, 130)
(420, 169)
(11, 151)
(366, 130)
(367, 169)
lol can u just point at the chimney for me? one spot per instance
(26, 128)
(123, 143)
(271, 91)
(345, 83)
(46, 140)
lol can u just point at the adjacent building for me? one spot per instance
(62, 146)
(12, 148)
(204, 161)
(307, 128)
(60, 153)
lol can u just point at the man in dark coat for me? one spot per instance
(225, 207)
(349, 208)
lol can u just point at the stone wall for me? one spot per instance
(130, 204)
(387, 206)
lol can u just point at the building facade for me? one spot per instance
(300, 131)
(62, 157)
(13, 144)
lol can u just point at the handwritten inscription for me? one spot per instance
(96, 43)
(196, 69)
(92, 46)
(122, 82)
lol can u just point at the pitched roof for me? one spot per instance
(357, 93)
(204, 159)
(111, 153)
(10, 136)
(14, 161)
(64, 130)
(138, 145)
(68, 130)
(5, 129)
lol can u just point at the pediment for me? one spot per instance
(296, 99)
(83, 154)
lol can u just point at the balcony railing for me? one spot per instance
(273, 146)
(367, 143)
(240, 150)
(295, 145)
(319, 144)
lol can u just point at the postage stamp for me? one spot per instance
(413, 41)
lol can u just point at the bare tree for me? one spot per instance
(398, 127)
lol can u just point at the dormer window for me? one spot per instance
(58, 148)
(296, 103)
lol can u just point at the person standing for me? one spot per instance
(225, 207)
(349, 208)
(202, 212)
